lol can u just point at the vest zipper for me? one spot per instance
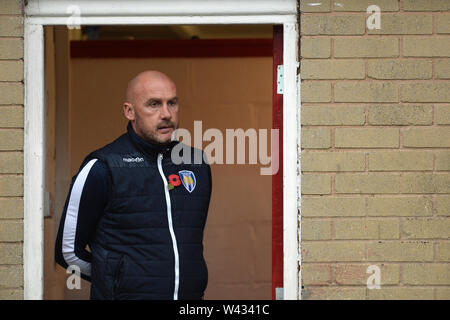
(172, 233)
(118, 276)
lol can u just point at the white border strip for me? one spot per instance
(290, 167)
(157, 8)
(34, 162)
(164, 20)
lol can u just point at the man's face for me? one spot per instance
(153, 109)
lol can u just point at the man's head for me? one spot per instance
(152, 106)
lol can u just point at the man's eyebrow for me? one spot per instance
(160, 100)
(152, 100)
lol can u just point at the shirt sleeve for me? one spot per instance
(85, 203)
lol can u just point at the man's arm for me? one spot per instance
(85, 203)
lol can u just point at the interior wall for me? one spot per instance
(222, 93)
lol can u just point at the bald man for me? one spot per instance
(142, 215)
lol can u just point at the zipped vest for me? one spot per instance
(149, 240)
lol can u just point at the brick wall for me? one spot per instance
(375, 149)
(11, 149)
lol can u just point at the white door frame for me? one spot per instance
(39, 13)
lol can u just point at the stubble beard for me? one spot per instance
(152, 135)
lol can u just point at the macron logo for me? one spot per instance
(137, 159)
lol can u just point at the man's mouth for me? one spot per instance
(165, 128)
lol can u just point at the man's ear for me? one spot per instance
(128, 111)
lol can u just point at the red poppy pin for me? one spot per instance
(174, 181)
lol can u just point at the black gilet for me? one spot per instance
(149, 240)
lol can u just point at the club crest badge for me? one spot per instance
(188, 179)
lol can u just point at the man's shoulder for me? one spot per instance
(102, 153)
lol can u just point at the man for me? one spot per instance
(141, 215)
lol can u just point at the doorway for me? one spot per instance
(223, 84)
(40, 13)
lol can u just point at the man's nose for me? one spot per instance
(165, 112)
